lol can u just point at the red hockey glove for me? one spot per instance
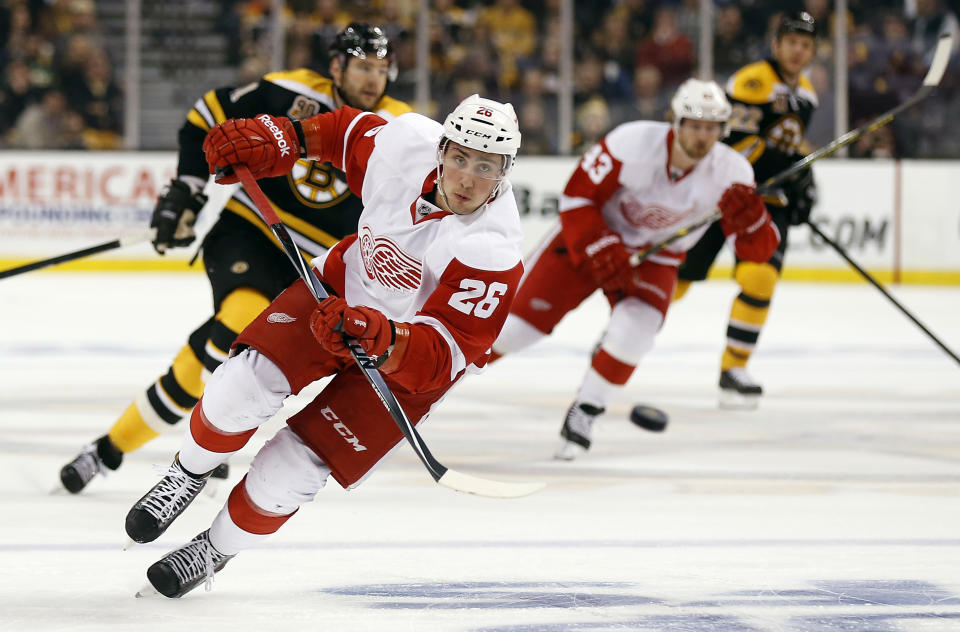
(333, 319)
(743, 210)
(609, 262)
(267, 145)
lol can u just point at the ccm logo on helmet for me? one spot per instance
(473, 132)
(277, 133)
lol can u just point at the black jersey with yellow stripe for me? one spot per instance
(313, 199)
(769, 117)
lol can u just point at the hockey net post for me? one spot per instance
(452, 479)
(938, 65)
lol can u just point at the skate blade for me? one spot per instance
(128, 543)
(212, 487)
(148, 592)
(569, 451)
(732, 400)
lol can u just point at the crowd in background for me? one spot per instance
(59, 89)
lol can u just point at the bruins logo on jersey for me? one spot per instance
(316, 184)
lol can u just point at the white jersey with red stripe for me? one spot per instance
(626, 177)
(414, 262)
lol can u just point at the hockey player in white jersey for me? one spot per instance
(425, 286)
(639, 185)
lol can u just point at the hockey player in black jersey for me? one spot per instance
(244, 263)
(772, 105)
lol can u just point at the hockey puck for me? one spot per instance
(649, 418)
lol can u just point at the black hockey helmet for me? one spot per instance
(361, 40)
(797, 22)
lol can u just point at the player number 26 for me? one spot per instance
(473, 289)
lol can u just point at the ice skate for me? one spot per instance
(95, 458)
(151, 515)
(738, 390)
(183, 569)
(576, 431)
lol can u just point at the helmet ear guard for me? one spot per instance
(702, 101)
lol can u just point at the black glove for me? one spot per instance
(801, 193)
(174, 216)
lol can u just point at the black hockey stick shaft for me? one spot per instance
(434, 467)
(79, 254)
(441, 474)
(866, 275)
(938, 66)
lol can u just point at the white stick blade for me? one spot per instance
(941, 57)
(138, 237)
(484, 487)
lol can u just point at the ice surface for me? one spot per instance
(835, 506)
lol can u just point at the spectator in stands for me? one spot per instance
(932, 19)
(591, 81)
(667, 48)
(45, 125)
(537, 139)
(592, 121)
(16, 93)
(99, 99)
(651, 102)
(613, 43)
(733, 47)
(512, 30)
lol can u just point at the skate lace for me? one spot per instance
(197, 559)
(172, 493)
(579, 421)
(87, 464)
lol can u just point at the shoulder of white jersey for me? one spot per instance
(390, 108)
(629, 140)
(729, 166)
(403, 136)
(306, 82)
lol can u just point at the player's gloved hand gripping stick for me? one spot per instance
(440, 473)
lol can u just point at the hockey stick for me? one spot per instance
(441, 474)
(120, 242)
(941, 56)
(876, 284)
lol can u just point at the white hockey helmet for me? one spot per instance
(701, 100)
(485, 125)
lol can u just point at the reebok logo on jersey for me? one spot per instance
(277, 133)
(280, 317)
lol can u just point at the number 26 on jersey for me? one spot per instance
(473, 289)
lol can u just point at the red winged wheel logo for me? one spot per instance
(388, 264)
